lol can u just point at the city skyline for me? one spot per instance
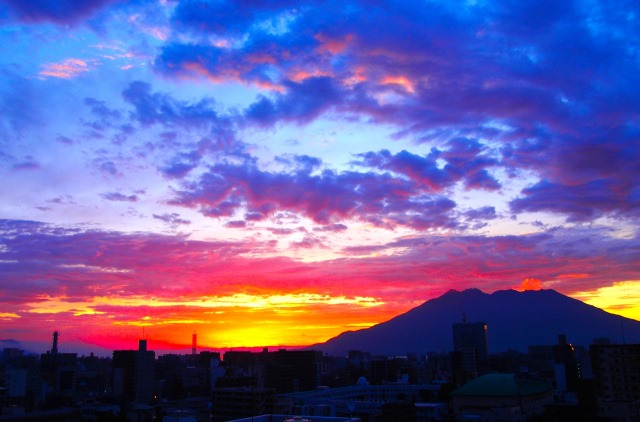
(276, 173)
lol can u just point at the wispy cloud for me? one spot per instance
(66, 69)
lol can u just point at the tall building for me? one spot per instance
(234, 403)
(133, 374)
(58, 369)
(293, 370)
(616, 375)
(566, 366)
(470, 349)
(471, 336)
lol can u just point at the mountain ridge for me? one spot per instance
(515, 321)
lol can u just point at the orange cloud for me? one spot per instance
(399, 80)
(531, 284)
(66, 69)
(301, 75)
(572, 276)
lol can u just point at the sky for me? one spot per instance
(277, 172)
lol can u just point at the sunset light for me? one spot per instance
(278, 173)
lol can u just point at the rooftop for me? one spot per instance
(501, 385)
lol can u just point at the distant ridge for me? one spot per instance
(515, 320)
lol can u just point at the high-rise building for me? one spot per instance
(58, 369)
(471, 336)
(470, 349)
(133, 374)
(293, 370)
(616, 375)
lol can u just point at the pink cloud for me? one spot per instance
(66, 69)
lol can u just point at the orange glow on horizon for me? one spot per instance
(238, 320)
(620, 298)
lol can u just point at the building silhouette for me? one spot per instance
(133, 374)
(470, 349)
(58, 371)
(616, 375)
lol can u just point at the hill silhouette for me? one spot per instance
(515, 320)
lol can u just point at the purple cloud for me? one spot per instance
(472, 71)
(462, 162)
(326, 198)
(29, 164)
(60, 11)
(172, 219)
(153, 108)
(301, 103)
(119, 197)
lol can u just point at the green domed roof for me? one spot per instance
(501, 385)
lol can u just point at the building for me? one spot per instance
(286, 371)
(58, 371)
(234, 403)
(616, 375)
(471, 336)
(500, 397)
(133, 374)
(289, 418)
(363, 400)
(470, 350)
(293, 370)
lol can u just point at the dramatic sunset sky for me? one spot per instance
(275, 172)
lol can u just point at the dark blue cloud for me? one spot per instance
(157, 108)
(59, 11)
(301, 103)
(462, 162)
(222, 17)
(582, 202)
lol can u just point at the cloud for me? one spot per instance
(172, 219)
(119, 197)
(580, 203)
(98, 278)
(153, 108)
(67, 69)
(59, 12)
(470, 78)
(28, 164)
(331, 228)
(108, 168)
(301, 103)
(419, 263)
(327, 198)
(157, 108)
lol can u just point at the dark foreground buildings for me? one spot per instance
(556, 382)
